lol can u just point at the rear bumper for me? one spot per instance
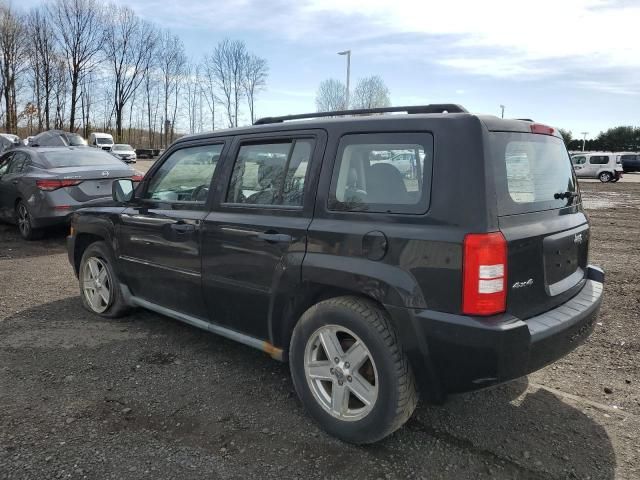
(463, 353)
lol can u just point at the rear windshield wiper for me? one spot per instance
(567, 195)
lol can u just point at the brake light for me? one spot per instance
(51, 185)
(484, 274)
(137, 177)
(542, 129)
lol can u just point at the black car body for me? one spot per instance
(57, 138)
(478, 262)
(630, 162)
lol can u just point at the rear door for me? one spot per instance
(160, 238)
(254, 240)
(540, 214)
(12, 181)
(7, 188)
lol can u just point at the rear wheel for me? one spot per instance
(349, 370)
(605, 177)
(25, 222)
(99, 285)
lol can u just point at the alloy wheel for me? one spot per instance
(24, 220)
(341, 373)
(96, 284)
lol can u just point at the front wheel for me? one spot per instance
(99, 285)
(350, 371)
(605, 177)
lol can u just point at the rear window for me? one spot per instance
(530, 171)
(383, 172)
(80, 158)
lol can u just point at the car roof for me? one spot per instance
(492, 123)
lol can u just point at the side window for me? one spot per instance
(579, 160)
(383, 172)
(186, 175)
(599, 159)
(270, 173)
(18, 163)
(5, 161)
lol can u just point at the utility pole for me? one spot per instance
(348, 54)
(502, 108)
(584, 139)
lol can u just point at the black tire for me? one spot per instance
(605, 177)
(116, 305)
(25, 222)
(396, 388)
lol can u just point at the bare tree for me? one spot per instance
(226, 66)
(43, 58)
(331, 95)
(371, 92)
(209, 87)
(171, 65)
(129, 45)
(13, 55)
(254, 79)
(79, 31)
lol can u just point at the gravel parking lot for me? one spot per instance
(148, 397)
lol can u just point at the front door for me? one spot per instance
(254, 240)
(580, 165)
(159, 237)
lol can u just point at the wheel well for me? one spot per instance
(308, 295)
(83, 240)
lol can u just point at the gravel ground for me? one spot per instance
(147, 397)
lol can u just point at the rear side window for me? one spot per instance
(383, 172)
(529, 171)
(271, 173)
(599, 159)
(18, 164)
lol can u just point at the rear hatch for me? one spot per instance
(541, 217)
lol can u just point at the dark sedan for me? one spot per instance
(41, 187)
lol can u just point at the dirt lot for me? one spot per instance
(147, 397)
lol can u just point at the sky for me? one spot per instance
(574, 64)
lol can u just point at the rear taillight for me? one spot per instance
(51, 185)
(484, 273)
(137, 177)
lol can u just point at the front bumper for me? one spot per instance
(456, 353)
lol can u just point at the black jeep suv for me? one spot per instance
(463, 267)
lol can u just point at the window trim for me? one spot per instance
(144, 186)
(262, 140)
(422, 207)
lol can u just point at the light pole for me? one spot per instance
(584, 139)
(348, 54)
(502, 109)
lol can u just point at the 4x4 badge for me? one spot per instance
(527, 283)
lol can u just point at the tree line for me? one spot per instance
(83, 66)
(370, 92)
(616, 139)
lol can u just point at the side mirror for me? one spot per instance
(122, 190)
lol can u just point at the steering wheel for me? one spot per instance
(198, 192)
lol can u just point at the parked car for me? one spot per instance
(8, 141)
(630, 161)
(103, 141)
(601, 165)
(40, 187)
(57, 138)
(124, 152)
(292, 238)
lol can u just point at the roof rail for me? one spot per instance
(413, 109)
(524, 119)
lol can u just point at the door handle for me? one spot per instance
(275, 237)
(183, 228)
(15, 182)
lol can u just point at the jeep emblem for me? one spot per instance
(526, 283)
(105, 174)
(578, 239)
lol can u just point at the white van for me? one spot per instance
(605, 166)
(101, 140)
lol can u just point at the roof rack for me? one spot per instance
(413, 109)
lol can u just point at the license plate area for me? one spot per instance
(565, 257)
(95, 188)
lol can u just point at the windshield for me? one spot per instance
(80, 158)
(104, 141)
(122, 147)
(533, 173)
